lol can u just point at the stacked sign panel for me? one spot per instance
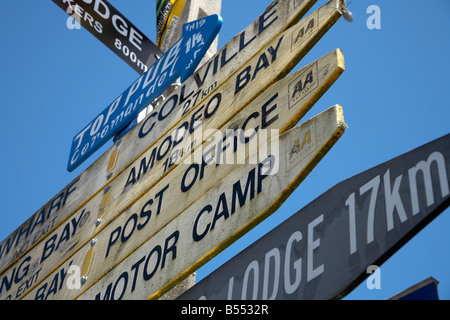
(116, 232)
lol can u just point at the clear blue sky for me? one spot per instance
(394, 94)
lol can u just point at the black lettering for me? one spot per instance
(40, 220)
(298, 88)
(65, 236)
(107, 295)
(6, 283)
(124, 238)
(4, 250)
(265, 121)
(182, 97)
(144, 166)
(184, 187)
(309, 78)
(273, 51)
(216, 64)
(224, 60)
(143, 133)
(123, 276)
(70, 189)
(131, 177)
(53, 286)
(147, 276)
(300, 35)
(303, 32)
(195, 236)
(202, 170)
(40, 294)
(221, 204)
(222, 146)
(160, 196)
(63, 273)
(263, 62)
(195, 118)
(242, 79)
(56, 204)
(254, 115)
(145, 213)
(24, 231)
(25, 270)
(48, 248)
(168, 139)
(170, 249)
(266, 16)
(242, 43)
(242, 196)
(161, 115)
(310, 25)
(113, 237)
(197, 78)
(183, 129)
(135, 267)
(270, 159)
(218, 99)
(76, 222)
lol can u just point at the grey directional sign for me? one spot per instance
(324, 250)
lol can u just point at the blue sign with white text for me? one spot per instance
(180, 61)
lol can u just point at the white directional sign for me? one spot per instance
(241, 200)
(277, 109)
(191, 95)
(102, 218)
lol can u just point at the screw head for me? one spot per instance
(93, 242)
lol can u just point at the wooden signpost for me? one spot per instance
(242, 199)
(278, 108)
(281, 55)
(101, 219)
(280, 15)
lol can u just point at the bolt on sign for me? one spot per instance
(194, 91)
(277, 109)
(115, 31)
(179, 62)
(324, 250)
(241, 200)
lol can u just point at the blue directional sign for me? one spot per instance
(180, 61)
